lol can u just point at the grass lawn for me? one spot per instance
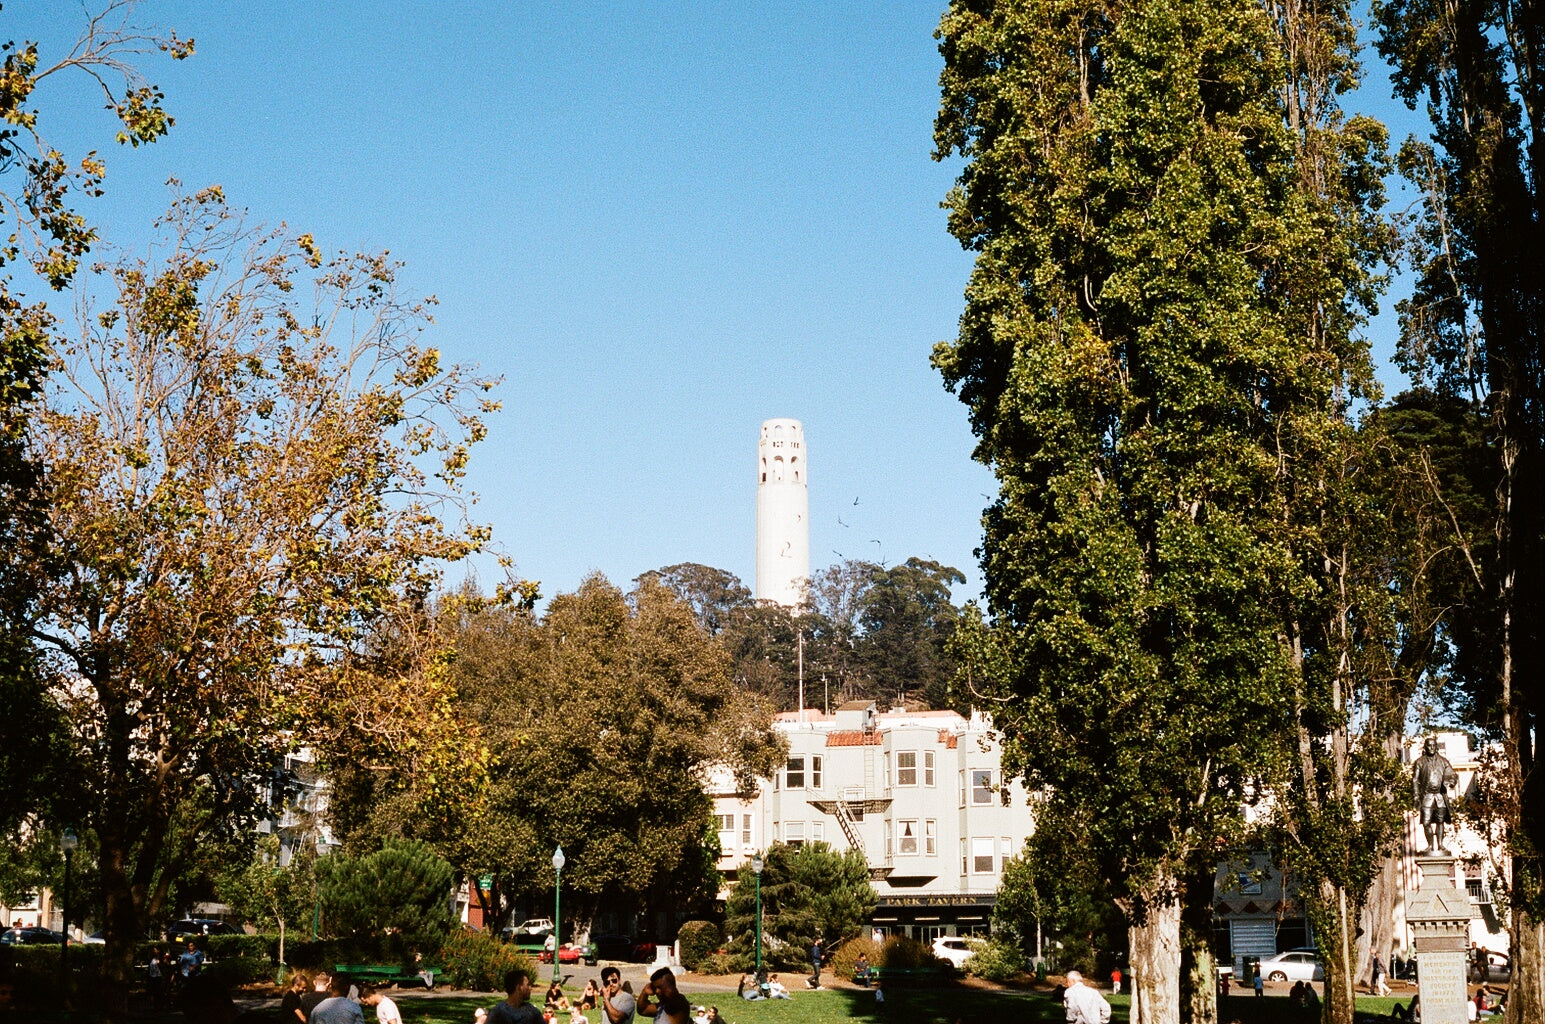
(829, 1006)
(903, 1006)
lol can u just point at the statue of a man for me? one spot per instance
(1432, 780)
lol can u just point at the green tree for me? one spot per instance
(808, 891)
(242, 486)
(1475, 330)
(271, 895)
(1136, 336)
(602, 718)
(908, 619)
(402, 889)
(1054, 900)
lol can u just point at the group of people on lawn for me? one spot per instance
(660, 999)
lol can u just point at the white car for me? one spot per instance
(534, 926)
(1294, 965)
(954, 949)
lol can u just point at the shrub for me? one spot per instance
(479, 961)
(902, 953)
(842, 958)
(996, 960)
(698, 940)
(724, 963)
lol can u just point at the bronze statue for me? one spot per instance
(1432, 779)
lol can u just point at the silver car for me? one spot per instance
(1294, 965)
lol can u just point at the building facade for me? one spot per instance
(920, 794)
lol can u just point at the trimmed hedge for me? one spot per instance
(698, 940)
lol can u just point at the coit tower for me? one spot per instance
(782, 513)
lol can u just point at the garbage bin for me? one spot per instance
(1252, 967)
(1040, 970)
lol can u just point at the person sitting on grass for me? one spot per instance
(588, 998)
(713, 1016)
(776, 990)
(516, 1007)
(556, 1000)
(748, 988)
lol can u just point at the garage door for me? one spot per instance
(1253, 938)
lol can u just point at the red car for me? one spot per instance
(567, 954)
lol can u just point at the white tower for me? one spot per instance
(782, 513)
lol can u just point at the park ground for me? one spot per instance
(967, 1001)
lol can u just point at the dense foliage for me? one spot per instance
(807, 892)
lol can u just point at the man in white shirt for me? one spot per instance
(1083, 1004)
(386, 1008)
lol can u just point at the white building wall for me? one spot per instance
(920, 792)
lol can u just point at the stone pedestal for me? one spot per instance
(1439, 916)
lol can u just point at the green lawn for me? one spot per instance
(829, 1006)
(925, 1006)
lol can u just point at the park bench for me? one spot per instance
(384, 974)
(906, 975)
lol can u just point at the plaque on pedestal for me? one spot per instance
(1439, 916)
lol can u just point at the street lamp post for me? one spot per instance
(67, 844)
(557, 894)
(756, 869)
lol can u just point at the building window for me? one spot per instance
(981, 855)
(962, 787)
(818, 831)
(908, 847)
(906, 768)
(745, 829)
(796, 773)
(981, 786)
(1248, 884)
(777, 832)
(931, 837)
(887, 769)
(962, 856)
(928, 768)
(816, 766)
(1005, 852)
(887, 840)
(794, 833)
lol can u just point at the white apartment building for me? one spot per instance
(920, 793)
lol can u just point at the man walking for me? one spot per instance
(1380, 985)
(815, 963)
(1083, 1004)
(618, 1005)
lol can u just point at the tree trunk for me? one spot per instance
(1156, 959)
(1379, 918)
(1199, 969)
(1526, 988)
(1338, 955)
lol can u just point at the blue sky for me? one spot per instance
(661, 223)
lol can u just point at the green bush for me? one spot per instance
(903, 953)
(724, 963)
(842, 958)
(479, 961)
(698, 940)
(996, 960)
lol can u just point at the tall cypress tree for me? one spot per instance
(1173, 237)
(1473, 330)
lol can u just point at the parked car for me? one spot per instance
(31, 937)
(1294, 965)
(533, 926)
(954, 949)
(192, 926)
(96, 939)
(569, 953)
(615, 946)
